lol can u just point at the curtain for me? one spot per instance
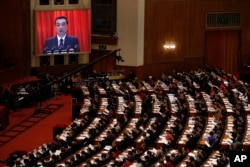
(78, 25)
(222, 48)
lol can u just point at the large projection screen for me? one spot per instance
(79, 25)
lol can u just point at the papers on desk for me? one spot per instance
(91, 147)
(246, 140)
(84, 110)
(77, 121)
(235, 90)
(106, 111)
(125, 105)
(191, 154)
(207, 144)
(63, 137)
(211, 109)
(20, 98)
(83, 136)
(107, 147)
(58, 152)
(22, 91)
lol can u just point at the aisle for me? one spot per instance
(39, 133)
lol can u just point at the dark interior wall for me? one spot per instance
(15, 39)
(183, 22)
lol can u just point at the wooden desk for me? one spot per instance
(131, 88)
(246, 139)
(210, 125)
(162, 137)
(103, 135)
(226, 139)
(148, 87)
(192, 153)
(212, 159)
(188, 129)
(123, 155)
(141, 138)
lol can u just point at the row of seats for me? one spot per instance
(155, 122)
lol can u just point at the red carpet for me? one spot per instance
(39, 133)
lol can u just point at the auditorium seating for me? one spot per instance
(185, 108)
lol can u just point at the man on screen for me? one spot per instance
(61, 42)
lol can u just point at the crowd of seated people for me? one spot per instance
(13, 95)
(34, 90)
(183, 119)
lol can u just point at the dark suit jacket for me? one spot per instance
(70, 44)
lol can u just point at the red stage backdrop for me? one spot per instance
(78, 25)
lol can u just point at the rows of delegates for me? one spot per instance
(184, 119)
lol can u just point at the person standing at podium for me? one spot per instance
(62, 42)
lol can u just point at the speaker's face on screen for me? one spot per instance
(61, 27)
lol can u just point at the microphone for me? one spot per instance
(53, 49)
(68, 48)
(45, 49)
(76, 47)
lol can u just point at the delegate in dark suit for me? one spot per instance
(61, 42)
(70, 44)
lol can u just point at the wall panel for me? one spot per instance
(15, 35)
(183, 23)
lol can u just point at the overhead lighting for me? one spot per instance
(169, 46)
